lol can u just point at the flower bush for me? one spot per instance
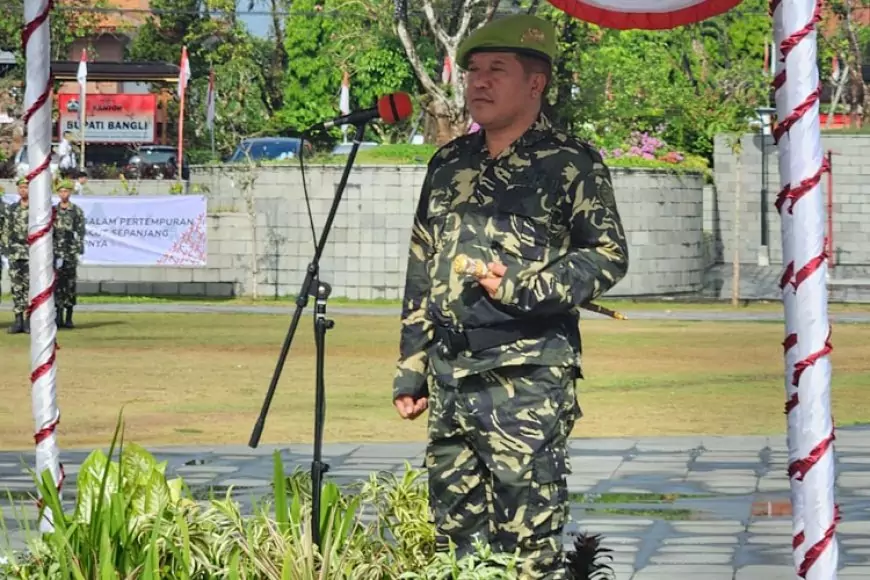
(131, 522)
(641, 149)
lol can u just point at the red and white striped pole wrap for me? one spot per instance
(784, 107)
(807, 343)
(36, 39)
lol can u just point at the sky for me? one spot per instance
(258, 24)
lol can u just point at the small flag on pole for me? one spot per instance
(183, 73)
(344, 97)
(447, 71)
(82, 78)
(183, 78)
(82, 74)
(210, 101)
(344, 102)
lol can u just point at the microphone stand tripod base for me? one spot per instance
(321, 325)
(312, 286)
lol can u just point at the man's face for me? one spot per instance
(63, 194)
(24, 191)
(498, 90)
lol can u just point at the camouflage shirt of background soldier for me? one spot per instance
(4, 207)
(545, 209)
(69, 233)
(14, 232)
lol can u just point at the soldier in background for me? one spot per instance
(495, 359)
(69, 244)
(13, 238)
(81, 182)
(3, 207)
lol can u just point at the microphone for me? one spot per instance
(390, 109)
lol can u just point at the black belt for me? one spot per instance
(453, 341)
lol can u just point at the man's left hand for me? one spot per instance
(493, 281)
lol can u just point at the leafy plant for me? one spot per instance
(130, 522)
(587, 561)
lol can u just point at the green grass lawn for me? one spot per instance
(664, 304)
(201, 378)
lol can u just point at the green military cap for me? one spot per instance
(21, 181)
(519, 33)
(64, 184)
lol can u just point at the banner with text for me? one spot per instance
(143, 230)
(121, 118)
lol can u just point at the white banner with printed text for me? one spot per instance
(157, 230)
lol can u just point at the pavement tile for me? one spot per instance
(721, 539)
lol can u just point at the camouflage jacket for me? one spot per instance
(13, 238)
(3, 209)
(545, 209)
(69, 232)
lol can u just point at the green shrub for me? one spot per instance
(131, 522)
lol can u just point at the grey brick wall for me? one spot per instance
(366, 253)
(851, 199)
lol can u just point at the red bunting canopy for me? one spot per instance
(643, 14)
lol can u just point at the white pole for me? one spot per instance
(807, 344)
(43, 347)
(83, 102)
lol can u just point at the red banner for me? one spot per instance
(116, 118)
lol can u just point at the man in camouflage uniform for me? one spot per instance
(495, 359)
(13, 238)
(2, 221)
(69, 244)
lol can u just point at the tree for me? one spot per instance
(686, 84)
(449, 22)
(163, 34)
(850, 50)
(311, 82)
(242, 107)
(365, 46)
(69, 21)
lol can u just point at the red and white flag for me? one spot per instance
(447, 71)
(183, 73)
(344, 95)
(210, 101)
(644, 14)
(82, 73)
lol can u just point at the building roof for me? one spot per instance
(117, 71)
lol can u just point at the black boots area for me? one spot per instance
(64, 323)
(20, 325)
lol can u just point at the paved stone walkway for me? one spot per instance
(718, 527)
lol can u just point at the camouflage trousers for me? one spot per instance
(497, 460)
(65, 290)
(19, 285)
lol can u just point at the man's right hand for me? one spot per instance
(409, 408)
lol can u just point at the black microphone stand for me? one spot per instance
(321, 325)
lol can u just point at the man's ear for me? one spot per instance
(540, 83)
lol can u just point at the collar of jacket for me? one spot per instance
(535, 133)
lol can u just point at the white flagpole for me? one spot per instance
(211, 99)
(43, 345)
(82, 77)
(808, 330)
(183, 78)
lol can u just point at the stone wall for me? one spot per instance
(367, 250)
(851, 199)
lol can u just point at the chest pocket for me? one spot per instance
(522, 222)
(438, 213)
